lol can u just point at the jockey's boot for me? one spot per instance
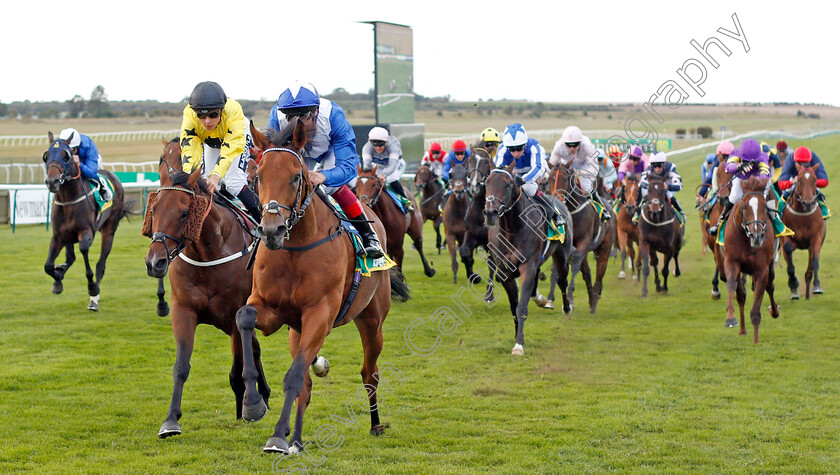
(555, 214)
(677, 206)
(370, 241)
(605, 216)
(104, 191)
(397, 187)
(442, 204)
(727, 208)
(251, 202)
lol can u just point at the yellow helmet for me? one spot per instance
(490, 135)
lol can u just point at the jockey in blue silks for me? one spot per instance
(333, 145)
(87, 158)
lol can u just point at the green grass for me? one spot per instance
(642, 386)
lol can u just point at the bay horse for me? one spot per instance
(430, 192)
(306, 278)
(453, 218)
(627, 231)
(591, 234)
(75, 218)
(475, 230)
(802, 215)
(203, 245)
(748, 251)
(710, 212)
(659, 231)
(519, 245)
(371, 192)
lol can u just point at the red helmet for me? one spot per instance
(802, 155)
(781, 146)
(614, 151)
(459, 146)
(435, 147)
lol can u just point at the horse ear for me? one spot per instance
(373, 168)
(194, 176)
(260, 140)
(817, 165)
(299, 136)
(510, 167)
(51, 137)
(165, 178)
(165, 142)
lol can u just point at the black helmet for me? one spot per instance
(207, 96)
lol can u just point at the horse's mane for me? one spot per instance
(632, 177)
(180, 178)
(284, 136)
(753, 183)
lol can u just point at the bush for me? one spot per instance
(705, 132)
(680, 133)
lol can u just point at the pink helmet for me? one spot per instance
(725, 148)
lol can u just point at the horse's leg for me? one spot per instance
(666, 269)
(184, 321)
(415, 231)
(438, 237)
(622, 244)
(654, 263)
(793, 282)
(237, 383)
(637, 260)
(85, 242)
(732, 271)
(107, 236)
(741, 295)
(162, 306)
(370, 330)
(305, 396)
(528, 271)
(586, 273)
(644, 252)
(771, 289)
(601, 259)
(814, 260)
(452, 246)
(576, 259)
(561, 274)
(57, 273)
(253, 405)
(549, 303)
(715, 281)
(760, 282)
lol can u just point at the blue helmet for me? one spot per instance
(710, 158)
(300, 95)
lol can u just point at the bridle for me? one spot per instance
(181, 242)
(759, 221)
(379, 186)
(66, 166)
(298, 209)
(504, 207)
(810, 205)
(656, 214)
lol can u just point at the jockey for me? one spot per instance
(606, 170)
(215, 138)
(457, 156)
(803, 156)
(746, 162)
(659, 166)
(87, 158)
(528, 157)
(773, 161)
(615, 155)
(637, 162)
(433, 158)
(576, 150)
(706, 167)
(385, 151)
(784, 151)
(489, 140)
(724, 149)
(333, 146)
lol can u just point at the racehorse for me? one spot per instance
(430, 192)
(306, 278)
(370, 189)
(453, 218)
(75, 219)
(627, 230)
(659, 231)
(591, 234)
(475, 230)
(204, 247)
(518, 238)
(802, 215)
(748, 251)
(712, 210)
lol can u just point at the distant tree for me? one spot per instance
(98, 105)
(508, 110)
(4, 109)
(705, 132)
(680, 133)
(77, 106)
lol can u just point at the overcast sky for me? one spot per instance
(552, 51)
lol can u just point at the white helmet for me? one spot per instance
(378, 133)
(658, 157)
(515, 135)
(572, 134)
(66, 133)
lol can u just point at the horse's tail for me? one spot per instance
(399, 289)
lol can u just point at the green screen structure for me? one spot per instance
(394, 64)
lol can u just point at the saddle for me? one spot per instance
(224, 198)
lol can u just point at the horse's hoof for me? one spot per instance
(549, 304)
(475, 279)
(715, 294)
(378, 429)
(430, 272)
(518, 350)
(794, 296)
(321, 367)
(568, 309)
(635, 277)
(677, 273)
(93, 306)
(622, 275)
(57, 287)
(662, 291)
(277, 445)
(540, 300)
(169, 428)
(255, 412)
(163, 309)
(542, 276)
(731, 322)
(818, 290)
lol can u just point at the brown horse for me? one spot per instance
(802, 215)
(430, 193)
(659, 231)
(453, 218)
(371, 191)
(306, 278)
(475, 229)
(747, 250)
(591, 234)
(710, 212)
(628, 231)
(75, 217)
(204, 248)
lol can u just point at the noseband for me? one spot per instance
(376, 193)
(759, 221)
(300, 204)
(503, 203)
(181, 242)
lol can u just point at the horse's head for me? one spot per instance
(171, 156)
(753, 212)
(632, 193)
(458, 181)
(58, 159)
(369, 186)
(806, 186)
(657, 196)
(500, 190)
(423, 177)
(175, 215)
(479, 170)
(283, 181)
(724, 181)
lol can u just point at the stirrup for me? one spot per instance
(372, 247)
